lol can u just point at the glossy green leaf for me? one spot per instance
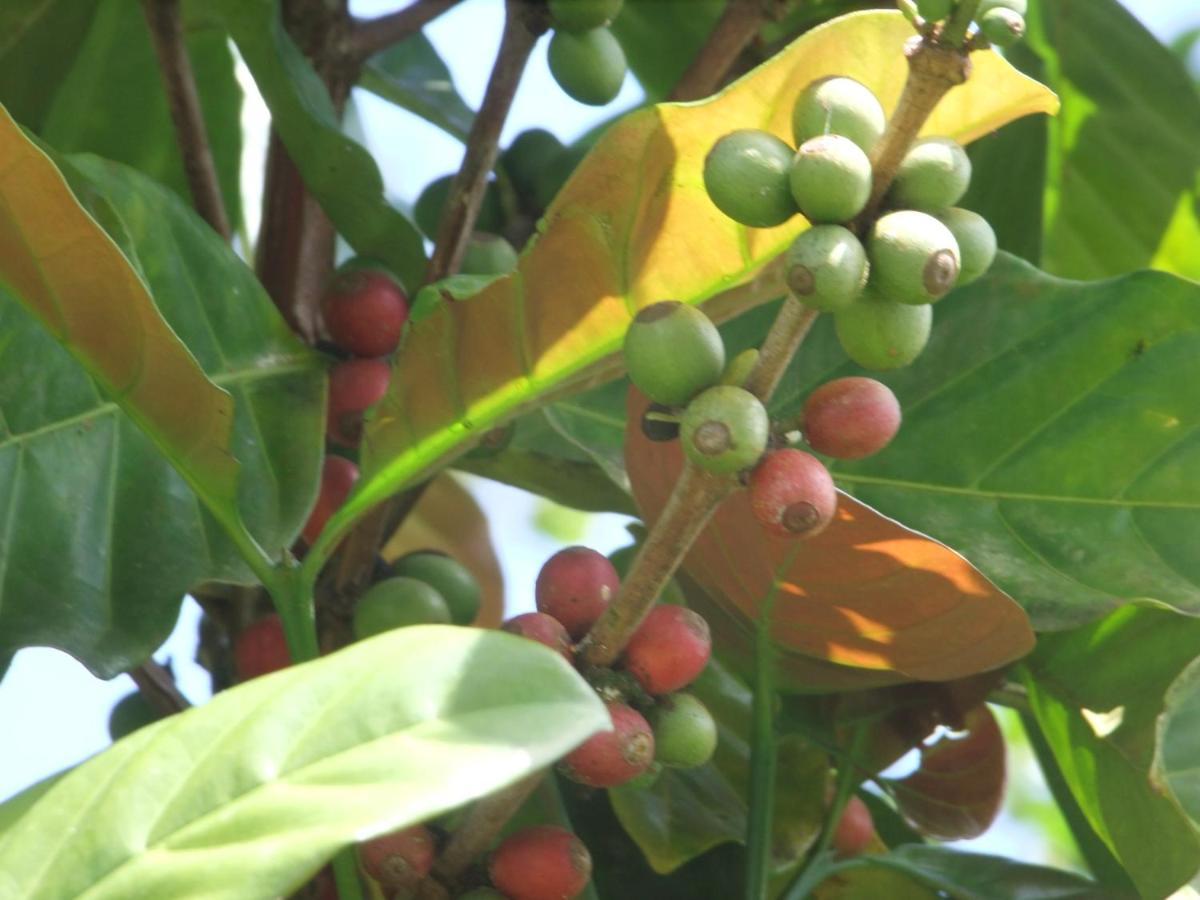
(101, 536)
(251, 793)
(413, 76)
(341, 175)
(1097, 694)
(1179, 740)
(656, 63)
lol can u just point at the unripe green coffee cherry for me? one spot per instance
(589, 66)
(914, 257)
(1020, 7)
(737, 373)
(131, 712)
(1002, 27)
(428, 210)
(826, 267)
(685, 733)
(976, 241)
(528, 156)
(397, 603)
(583, 15)
(488, 254)
(838, 105)
(934, 174)
(672, 352)
(882, 334)
(830, 179)
(450, 578)
(746, 176)
(725, 430)
(934, 10)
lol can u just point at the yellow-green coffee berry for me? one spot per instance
(1002, 27)
(830, 179)
(672, 352)
(934, 10)
(488, 254)
(881, 334)
(976, 241)
(724, 430)
(588, 65)
(826, 267)
(914, 257)
(746, 176)
(397, 603)
(583, 15)
(838, 105)
(934, 174)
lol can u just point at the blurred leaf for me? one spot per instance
(1179, 741)
(656, 63)
(39, 42)
(413, 76)
(249, 794)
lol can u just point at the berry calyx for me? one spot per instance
(575, 586)
(881, 334)
(685, 733)
(544, 629)
(450, 578)
(672, 351)
(588, 65)
(724, 430)
(396, 603)
(976, 241)
(826, 267)
(746, 176)
(543, 862)
(855, 829)
(934, 174)
(1002, 27)
(131, 712)
(838, 105)
(354, 387)
(792, 494)
(914, 257)
(830, 178)
(583, 15)
(261, 648)
(365, 311)
(337, 480)
(400, 859)
(849, 418)
(488, 254)
(611, 758)
(669, 650)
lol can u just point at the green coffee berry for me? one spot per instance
(488, 254)
(830, 179)
(739, 368)
(1002, 27)
(838, 105)
(672, 352)
(934, 10)
(685, 733)
(131, 712)
(589, 65)
(934, 174)
(914, 257)
(446, 575)
(976, 241)
(725, 430)
(826, 267)
(397, 603)
(528, 156)
(428, 209)
(551, 179)
(1020, 7)
(746, 176)
(882, 334)
(583, 15)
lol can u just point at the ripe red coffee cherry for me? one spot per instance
(400, 859)
(849, 418)
(855, 829)
(792, 494)
(575, 586)
(354, 386)
(365, 311)
(261, 648)
(669, 650)
(337, 479)
(610, 758)
(544, 629)
(544, 862)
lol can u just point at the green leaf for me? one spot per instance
(101, 535)
(341, 175)
(413, 76)
(1179, 740)
(658, 64)
(1097, 694)
(251, 793)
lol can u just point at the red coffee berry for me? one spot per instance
(850, 418)
(544, 629)
(354, 386)
(337, 479)
(609, 758)
(261, 648)
(400, 859)
(575, 586)
(365, 311)
(792, 494)
(543, 862)
(855, 830)
(669, 650)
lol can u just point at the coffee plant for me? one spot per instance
(881, 316)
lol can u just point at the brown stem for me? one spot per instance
(735, 29)
(370, 36)
(158, 687)
(165, 20)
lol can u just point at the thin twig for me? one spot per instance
(370, 36)
(736, 28)
(158, 687)
(165, 20)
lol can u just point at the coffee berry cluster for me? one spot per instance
(999, 22)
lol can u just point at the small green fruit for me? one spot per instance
(1020, 7)
(882, 334)
(934, 10)
(746, 176)
(428, 210)
(838, 105)
(826, 267)
(830, 179)
(914, 257)
(131, 712)
(673, 351)
(1002, 27)
(527, 158)
(551, 179)
(583, 15)
(397, 603)
(488, 254)
(589, 66)
(737, 373)
(725, 430)
(933, 175)
(976, 241)
(685, 733)
(446, 575)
